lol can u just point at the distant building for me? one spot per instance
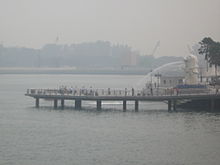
(171, 81)
(129, 60)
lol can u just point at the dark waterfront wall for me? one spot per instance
(200, 105)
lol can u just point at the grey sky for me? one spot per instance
(138, 23)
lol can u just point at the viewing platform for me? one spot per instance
(124, 95)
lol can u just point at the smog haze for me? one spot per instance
(137, 23)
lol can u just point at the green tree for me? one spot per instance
(211, 50)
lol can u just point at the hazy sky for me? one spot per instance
(138, 23)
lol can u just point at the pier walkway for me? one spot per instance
(125, 95)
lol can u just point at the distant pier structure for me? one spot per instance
(100, 95)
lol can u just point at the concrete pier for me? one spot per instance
(172, 100)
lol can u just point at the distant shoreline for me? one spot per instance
(109, 71)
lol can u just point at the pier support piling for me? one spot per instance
(78, 104)
(99, 104)
(55, 103)
(124, 106)
(174, 105)
(212, 106)
(37, 102)
(136, 105)
(62, 103)
(169, 105)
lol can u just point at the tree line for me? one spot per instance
(211, 51)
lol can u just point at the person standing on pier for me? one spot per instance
(71, 90)
(132, 91)
(151, 91)
(109, 91)
(90, 91)
(126, 91)
(177, 91)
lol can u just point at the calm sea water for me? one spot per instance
(110, 137)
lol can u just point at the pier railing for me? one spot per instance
(117, 92)
(166, 95)
(86, 92)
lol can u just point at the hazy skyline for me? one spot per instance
(137, 23)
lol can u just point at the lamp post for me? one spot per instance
(151, 81)
(200, 74)
(158, 81)
(151, 77)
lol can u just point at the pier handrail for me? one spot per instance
(111, 92)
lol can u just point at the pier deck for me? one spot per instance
(56, 95)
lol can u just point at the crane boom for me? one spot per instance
(155, 48)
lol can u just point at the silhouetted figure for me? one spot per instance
(151, 91)
(132, 91)
(109, 91)
(177, 91)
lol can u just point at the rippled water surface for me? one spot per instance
(109, 137)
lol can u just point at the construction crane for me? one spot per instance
(155, 48)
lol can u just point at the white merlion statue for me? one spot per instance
(191, 69)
